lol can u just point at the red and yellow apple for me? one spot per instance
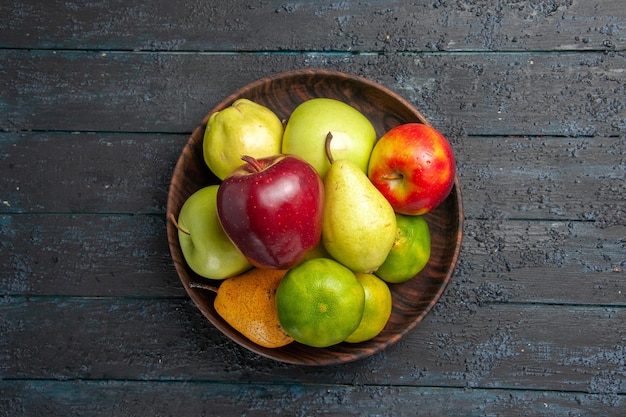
(271, 209)
(413, 166)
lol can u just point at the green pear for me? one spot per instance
(305, 133)
(359, 226)
(244, 128)
(205, 246)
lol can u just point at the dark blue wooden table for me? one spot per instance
(97, 100)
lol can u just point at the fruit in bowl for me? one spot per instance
(244, 128)
(412, 299)
(320, 302)
(359, 224)
(410, 252)
(206, 248)
(413, 167)
(271, 209)
(307, 127)
(376, 308)
(248, 303)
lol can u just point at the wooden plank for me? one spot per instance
(127, 255)
(541, 261)
(106, 398)
(544, 178)
(506, 346)
(99, 255)
(579, 94)
(382, 26)
(94, 173)
(501, 177)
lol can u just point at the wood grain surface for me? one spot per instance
(98, 99)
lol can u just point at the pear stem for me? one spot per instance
(256, 166)
(197, 285)
(173, 220)
(329, 154)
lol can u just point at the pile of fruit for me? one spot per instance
(313, 219)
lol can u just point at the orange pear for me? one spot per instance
(248, 303)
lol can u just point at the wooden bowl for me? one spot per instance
(412, 300)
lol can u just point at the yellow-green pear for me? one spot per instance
(244, 128)
(359, 226)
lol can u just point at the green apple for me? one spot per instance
(244, 128)
(309, 124)
(410, 252)
(205, 246)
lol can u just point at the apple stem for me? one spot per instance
(252, 161)
(198, 285)
(391, 176)
(173, 219)
(329, 154)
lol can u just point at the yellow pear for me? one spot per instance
(359, 226)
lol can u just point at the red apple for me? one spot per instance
(271, 209)
(413, 166)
